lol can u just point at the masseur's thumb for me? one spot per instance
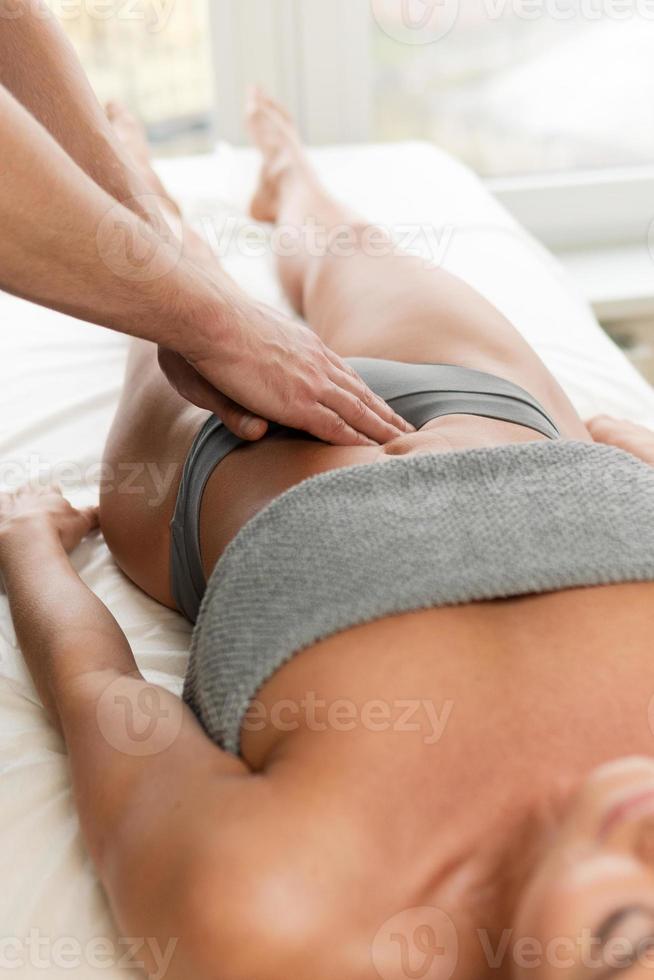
(241, 423)
(190, 384)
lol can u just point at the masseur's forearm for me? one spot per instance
(71, 239)
(58, 248)
(40, 68)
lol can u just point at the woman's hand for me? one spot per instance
(32, 514)
(633, 438)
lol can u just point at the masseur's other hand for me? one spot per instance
(634, 439)
(33, 514)
(278, 370)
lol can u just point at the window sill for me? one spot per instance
(618, 281)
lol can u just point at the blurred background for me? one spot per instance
(550, 101)
(156, 57)
(518, 95)
(511, 87)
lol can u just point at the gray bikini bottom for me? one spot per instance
(417, 392)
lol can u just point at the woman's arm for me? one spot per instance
(633, 438)
(177, 829)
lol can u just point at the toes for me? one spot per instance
(120, 115)
(277, 107)
(112, 111)
(259, 102)
(255, 101)
(120, 119)
(118, 112)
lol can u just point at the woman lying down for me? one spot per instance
(415, 738)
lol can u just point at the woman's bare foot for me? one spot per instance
(131, 133)
(284, 157)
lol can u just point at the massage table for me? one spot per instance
(59, 384)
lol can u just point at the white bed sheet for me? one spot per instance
(59, 382)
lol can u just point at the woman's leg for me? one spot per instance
(374, 301)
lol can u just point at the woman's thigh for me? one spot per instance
(394, 306)
(150, 438)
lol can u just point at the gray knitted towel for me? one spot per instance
(353, 545)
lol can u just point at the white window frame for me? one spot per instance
(312, 54)
(583, 208)
(315, 55)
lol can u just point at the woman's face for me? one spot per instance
(588, 910)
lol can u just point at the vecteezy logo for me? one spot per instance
(139, 719)
(416, 21)
(139, 250)
(417, 944)
(147, 707)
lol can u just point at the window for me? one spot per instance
(154, 55)
(521, 87)
(552, 101)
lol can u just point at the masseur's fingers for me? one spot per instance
(190, 384)
(355, 414)
(344, 375)
(346, 406)
(241, 423)
(331, 427)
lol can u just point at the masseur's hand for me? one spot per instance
(280, 371)
(68, 244)
(633, 438)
